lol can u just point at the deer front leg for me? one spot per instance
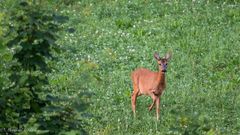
(158, 107)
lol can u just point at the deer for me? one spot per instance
(150, 83)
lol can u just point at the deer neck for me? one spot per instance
(161, 77)
(160, 83)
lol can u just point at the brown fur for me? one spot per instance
(146, 82)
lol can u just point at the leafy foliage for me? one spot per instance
(28, 100)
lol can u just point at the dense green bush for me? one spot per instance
(27, 101)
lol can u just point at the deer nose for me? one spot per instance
(164, 68)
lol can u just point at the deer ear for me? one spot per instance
(156, 56)
(168, 55)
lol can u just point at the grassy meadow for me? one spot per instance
(105, 40)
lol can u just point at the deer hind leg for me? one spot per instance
(134, 99)
(151, 106)
(158, 107)
(154, 101)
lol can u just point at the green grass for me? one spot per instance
(112, 38)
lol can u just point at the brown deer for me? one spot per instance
(146, 82)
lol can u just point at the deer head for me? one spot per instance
(162, 62)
